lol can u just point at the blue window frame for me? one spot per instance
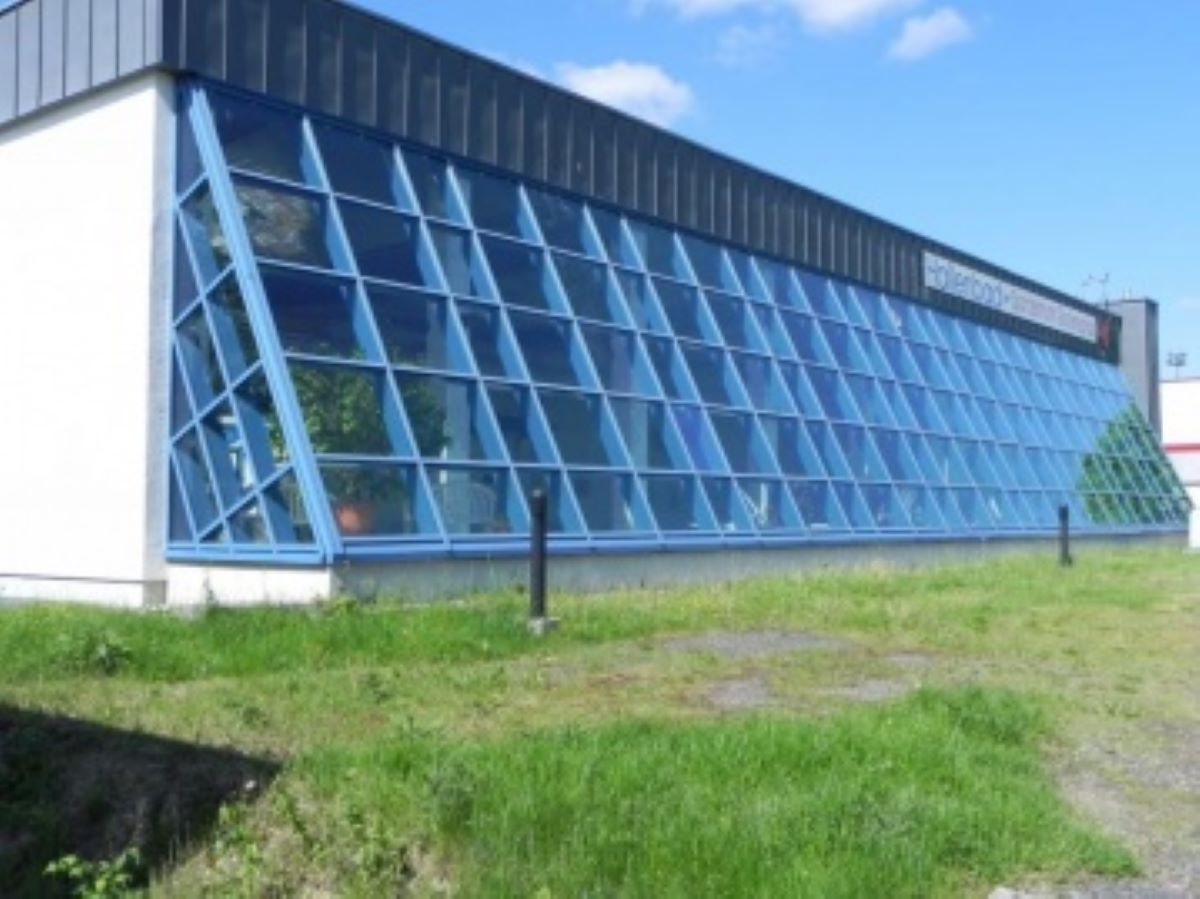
(378, 350)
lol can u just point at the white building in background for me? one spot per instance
(1181, 439)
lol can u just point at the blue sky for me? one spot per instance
(1060, 138)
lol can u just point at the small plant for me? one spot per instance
(111, 879)
(93, 652)
(235, 841)
(451, 797)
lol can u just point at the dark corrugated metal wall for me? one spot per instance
(54, 49)
(348, 63)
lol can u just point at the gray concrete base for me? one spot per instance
(445, 578)
(191, 586)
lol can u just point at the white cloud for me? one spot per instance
(817, 15)
(741, 46)
(922, 36)
(638, 88)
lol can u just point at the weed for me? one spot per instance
(93, 652)
(110, 879)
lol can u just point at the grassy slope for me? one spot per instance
(433, 746)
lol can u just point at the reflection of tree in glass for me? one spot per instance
(341, 411)
(427, 416)
(281, 225)
(1108, 472)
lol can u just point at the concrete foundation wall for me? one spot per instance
(429, 580)
(85, 201)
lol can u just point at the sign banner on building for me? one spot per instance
(957, 280)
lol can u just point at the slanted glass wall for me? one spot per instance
(379, 351)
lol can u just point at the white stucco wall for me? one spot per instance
(84, 202)
(1181, 437)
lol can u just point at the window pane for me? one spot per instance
(677, 503)
(264, 433)
(818, 506)
(589, 288)
(548, 348)
(180, 529)
(315, 315)
(684, 310)
(732, 315)
(562, 517)
(460, 264)
(821, 297)
(764, 388)
(205, 236)
(521, 274)
(259, 138)
(606, 500)
(199, 355)
(742, 448)
(344, 410)
(248, 525)
(577, 422)
(733, 515)
(286, 225)
(446, 418)
(494, 203)
(361, 166)
(415, 328)
(790, 444)
(476, 500)
(657, 248)
(520, 424)
(562, 221)
(227, 454)
(708, 263)
(232, 326)
(374, 500)
(193, 470)
(765, 501)
(493, 351)
(431, 182)
(669, 367)
(701, 445)
(642, 305)
(387, 245)
(612, 235)
(183, 288)
(710, 372)
(647, 433)
(617, 360)
(807, 338)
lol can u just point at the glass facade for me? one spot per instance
(378, 351)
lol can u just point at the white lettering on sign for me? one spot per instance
(957, 280)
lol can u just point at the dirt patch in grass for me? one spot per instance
(877, 690)
(740, 695)
(1144, 787)
(756, 644)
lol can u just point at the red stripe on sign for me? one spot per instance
(1182, 447)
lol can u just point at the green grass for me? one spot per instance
(914, 800)
(434, 747)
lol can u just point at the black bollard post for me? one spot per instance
(1064, 537)
(539, 621)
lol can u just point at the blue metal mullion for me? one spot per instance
(229, 396)
(368, 314)
(274, 365)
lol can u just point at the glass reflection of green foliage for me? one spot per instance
(1107, 472)
(427, 416)
(341, 411)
